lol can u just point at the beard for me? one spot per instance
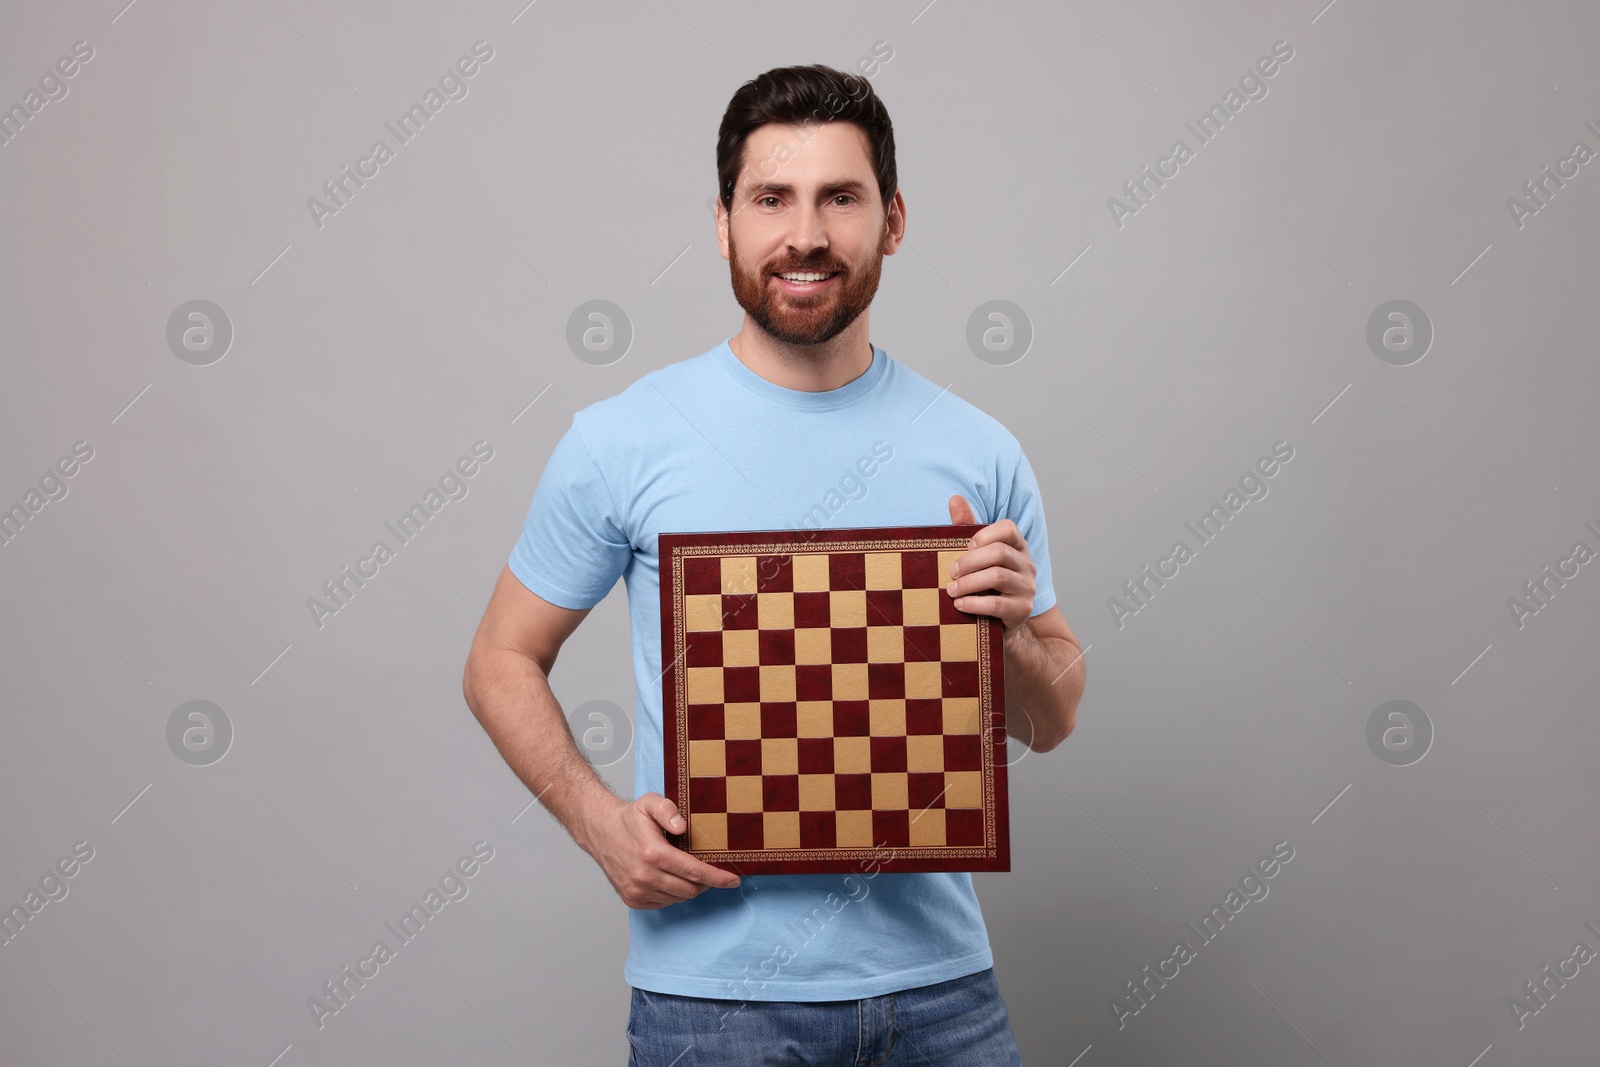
(804, 320)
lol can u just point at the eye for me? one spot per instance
(845, 196)
(764, 199)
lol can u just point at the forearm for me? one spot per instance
(511, 698)
(1044, 679)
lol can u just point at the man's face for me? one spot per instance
(806, 201)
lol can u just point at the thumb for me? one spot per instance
(961, 512)
(666, 813)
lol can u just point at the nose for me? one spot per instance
(808, 232)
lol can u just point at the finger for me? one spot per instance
(1008, 609)
(664, 812)
(995, 554)
(961, 512)
(1005, 530)
(702, 874)
(1001, 580)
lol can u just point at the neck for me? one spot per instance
(806, 368)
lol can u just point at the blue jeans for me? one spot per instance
(959, 1023)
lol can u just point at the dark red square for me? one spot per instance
(921, 644)
(702, 575)
(925, 790)
(920, 570)
(816, 755)
(778, 719)
(743, 756)
(812, 611)
(746, 831)
(886, 681)
(851, 718)
(948, 612)
(959, 678)
(813, 681)
(775, 646)
(818, 829)
(849, 644)
(705, 722)
(891, 829)
(888, 753)
(780, 792)
(774, 574)
(741, 684)
(924, 716)
(884, 607)
(852, 792)
(739, 611)
(708, 794)
(962, 752)
(703, 648)
(963, 827)
(847, 570)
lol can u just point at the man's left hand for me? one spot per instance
(995, 575)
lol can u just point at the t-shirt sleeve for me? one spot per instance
(1025, 507)
(572, 549)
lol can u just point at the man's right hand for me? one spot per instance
(646, 869)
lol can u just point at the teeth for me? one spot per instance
(804, 276)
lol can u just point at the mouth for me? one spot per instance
(801, 282)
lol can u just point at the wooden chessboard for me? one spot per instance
(825, 706)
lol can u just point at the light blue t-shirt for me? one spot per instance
(706, 444)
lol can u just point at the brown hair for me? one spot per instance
(799, 96)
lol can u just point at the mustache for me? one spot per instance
(821, 268)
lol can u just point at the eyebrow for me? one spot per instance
(847, 186)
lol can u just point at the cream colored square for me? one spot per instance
(780, 755)
(924, 752)
(886, 644)
(777, 681)
(847, 607)
(740, 648)
(813, 645)
(958, 641)
(708, 758)
(741, 721)
(945, 559)
(814, 718)
(920, 607)
(883, 570)
(849, 681)
(775, 611)
(922, 680)
(963, 789)
(708, 830)
(961, 715)
(704, 685)
(738, 574)
(890, 790)
(852, 755)
(780, 829)
(886, 718)
(816, 792)
(702, 611)
(744, 792)
(927, 828)
(853, 829)
(810, 573)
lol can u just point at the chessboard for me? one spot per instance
(825, 707)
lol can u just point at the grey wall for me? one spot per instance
(1433, 875)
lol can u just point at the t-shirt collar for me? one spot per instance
(825, 400)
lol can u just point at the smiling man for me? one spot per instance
(744, 436)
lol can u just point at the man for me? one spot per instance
(763, 431)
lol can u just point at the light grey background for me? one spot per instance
(369, 354)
